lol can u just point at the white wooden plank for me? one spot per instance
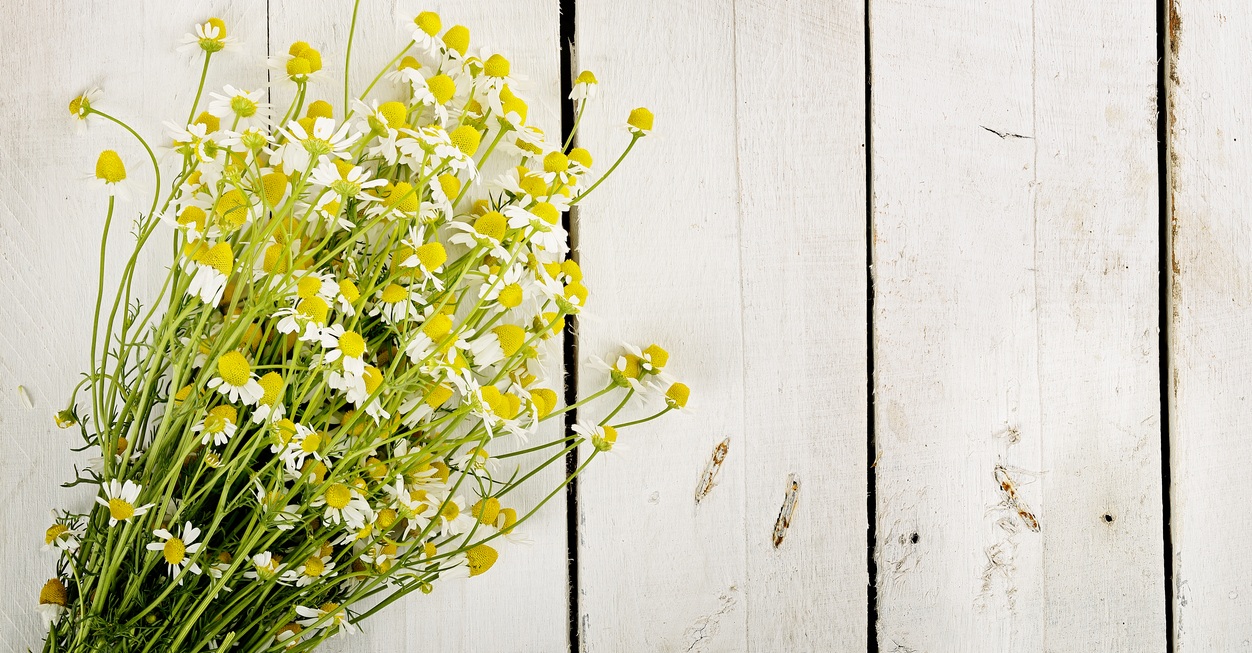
(50, 223)
(713, 240)
(1015, 203)
(1210, 317)
(521, 604)
(801, 127)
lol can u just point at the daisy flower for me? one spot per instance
(208, 37)
(424, 29)
(120, 499)
(111, 175)
(52, 600)
(544, 221)
(306, 318)
(395, 303)
(265, 566)
(314, 568)
(602, 436)
(434, 330)
(177, 550)
(302, 64)
(345, 300)
(639, 123)
(192, 140)
(211, 267)
(487, 231)
(270, 408)
(343, 505)
(218, 426)
(346, 347)
(585, 86)
(407, 72)
(305, 443)
(302, 147)
(497, 72)
(345, 180)
(453, 518)
(244, 108)
(64, 537)
(80, 108)
(501, 342)
(191, 220)
(329, 615)
(236, 380)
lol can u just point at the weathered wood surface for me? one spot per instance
(746, 257)
(1015, 326)
(1210, 276)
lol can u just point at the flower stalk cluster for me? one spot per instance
(329, 403)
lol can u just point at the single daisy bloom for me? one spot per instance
(314, 568)
(211, 267)
(53, 598)
(585, 86)
(639, 122)
(343, 505)
(218, 426)
(236, 380)
(423, 28)
(303, 148)
(602, 436)
(111, 175)
(503, 341)
(407, 72)
(265, 566)
(270, 408)
(345, 347)
(395, 303)
(178, 549)
(487, 230)
(80, 108)
(544, 222)
(307, 318)
(329, 615)
(345, 180)
(453, 518)
(303, 444)
(207, 38)
(244, 108)
(64, 537)
(120, 499)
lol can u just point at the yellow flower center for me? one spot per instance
(80, 106)
(314, 308)
(496, 66)
(387, 517)
(373, 378)
(220, 258)
(640, 119)
(337, 496)
(193, 215)
(211, 122)
(428, 21)
(544, 400)
(677, 394)
(274, 185)
(234, 369)
(511, 338)
(555, 162)
(243, 106)
(298, 68)
(54, 531)
(352, 344)
(546, 212)
(109, 167)
(439, 395)
(409, 63)
(120, 509)
(53, 593)
(395, 113)
(492, 225)
(466, 139)
(311, 443)
(437, 327)
(394, 294)
(232, 207)
(480, 558)
(450, 511)
(450, 184)
(403, 198)
(272, 383)
(580, 156)
(657, 356)
(314, 567)
(457, 38)
(349, 290)
(510, 296)
(320, 109)
(442, 87)
(486, 510)
(585, 77)
(308, 286)
(174, 551)
(432, 255)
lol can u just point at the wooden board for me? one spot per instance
(521, 604)
(50, 223)
(735, 237)
(1015, 326)
(1210, 268)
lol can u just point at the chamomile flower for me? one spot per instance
(395, 303)
(602, 436)
(265, 567)
(487, 230)
(303, 147)
(543, 221)
(501, 342)
(121, 499)
(302, 64)
(639, 123)
(218, 426)
(243, 108)
(453, 518)
(585, 87)
(345, 300)
(326, 616)
(424, 29)
(270, 408)
(314, 568)
(435, 92)
(434, 330)
(207, 38)
(210, 267)
(303, 444)
(178, 549)
(345, 180)
(343, 505)
(53, 598)
(111, 175)
(81, 113)
(63, 536)
(191, 220)
(192, 140)
(307, 318)
(236, 380)
(407, 72)
(345, 347)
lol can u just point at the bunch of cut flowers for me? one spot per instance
(334, 395)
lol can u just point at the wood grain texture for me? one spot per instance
(1015, 340)
(1210, 264)
(521, 605)
(735, 237)
(50, 223)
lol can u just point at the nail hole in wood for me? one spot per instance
(1108, 518)
(915, 538)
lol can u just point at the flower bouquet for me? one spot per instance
(327, 405)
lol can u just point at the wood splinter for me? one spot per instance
(708, 480)
(788, 509)
(1008, 489)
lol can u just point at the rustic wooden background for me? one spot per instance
(1047, 290)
